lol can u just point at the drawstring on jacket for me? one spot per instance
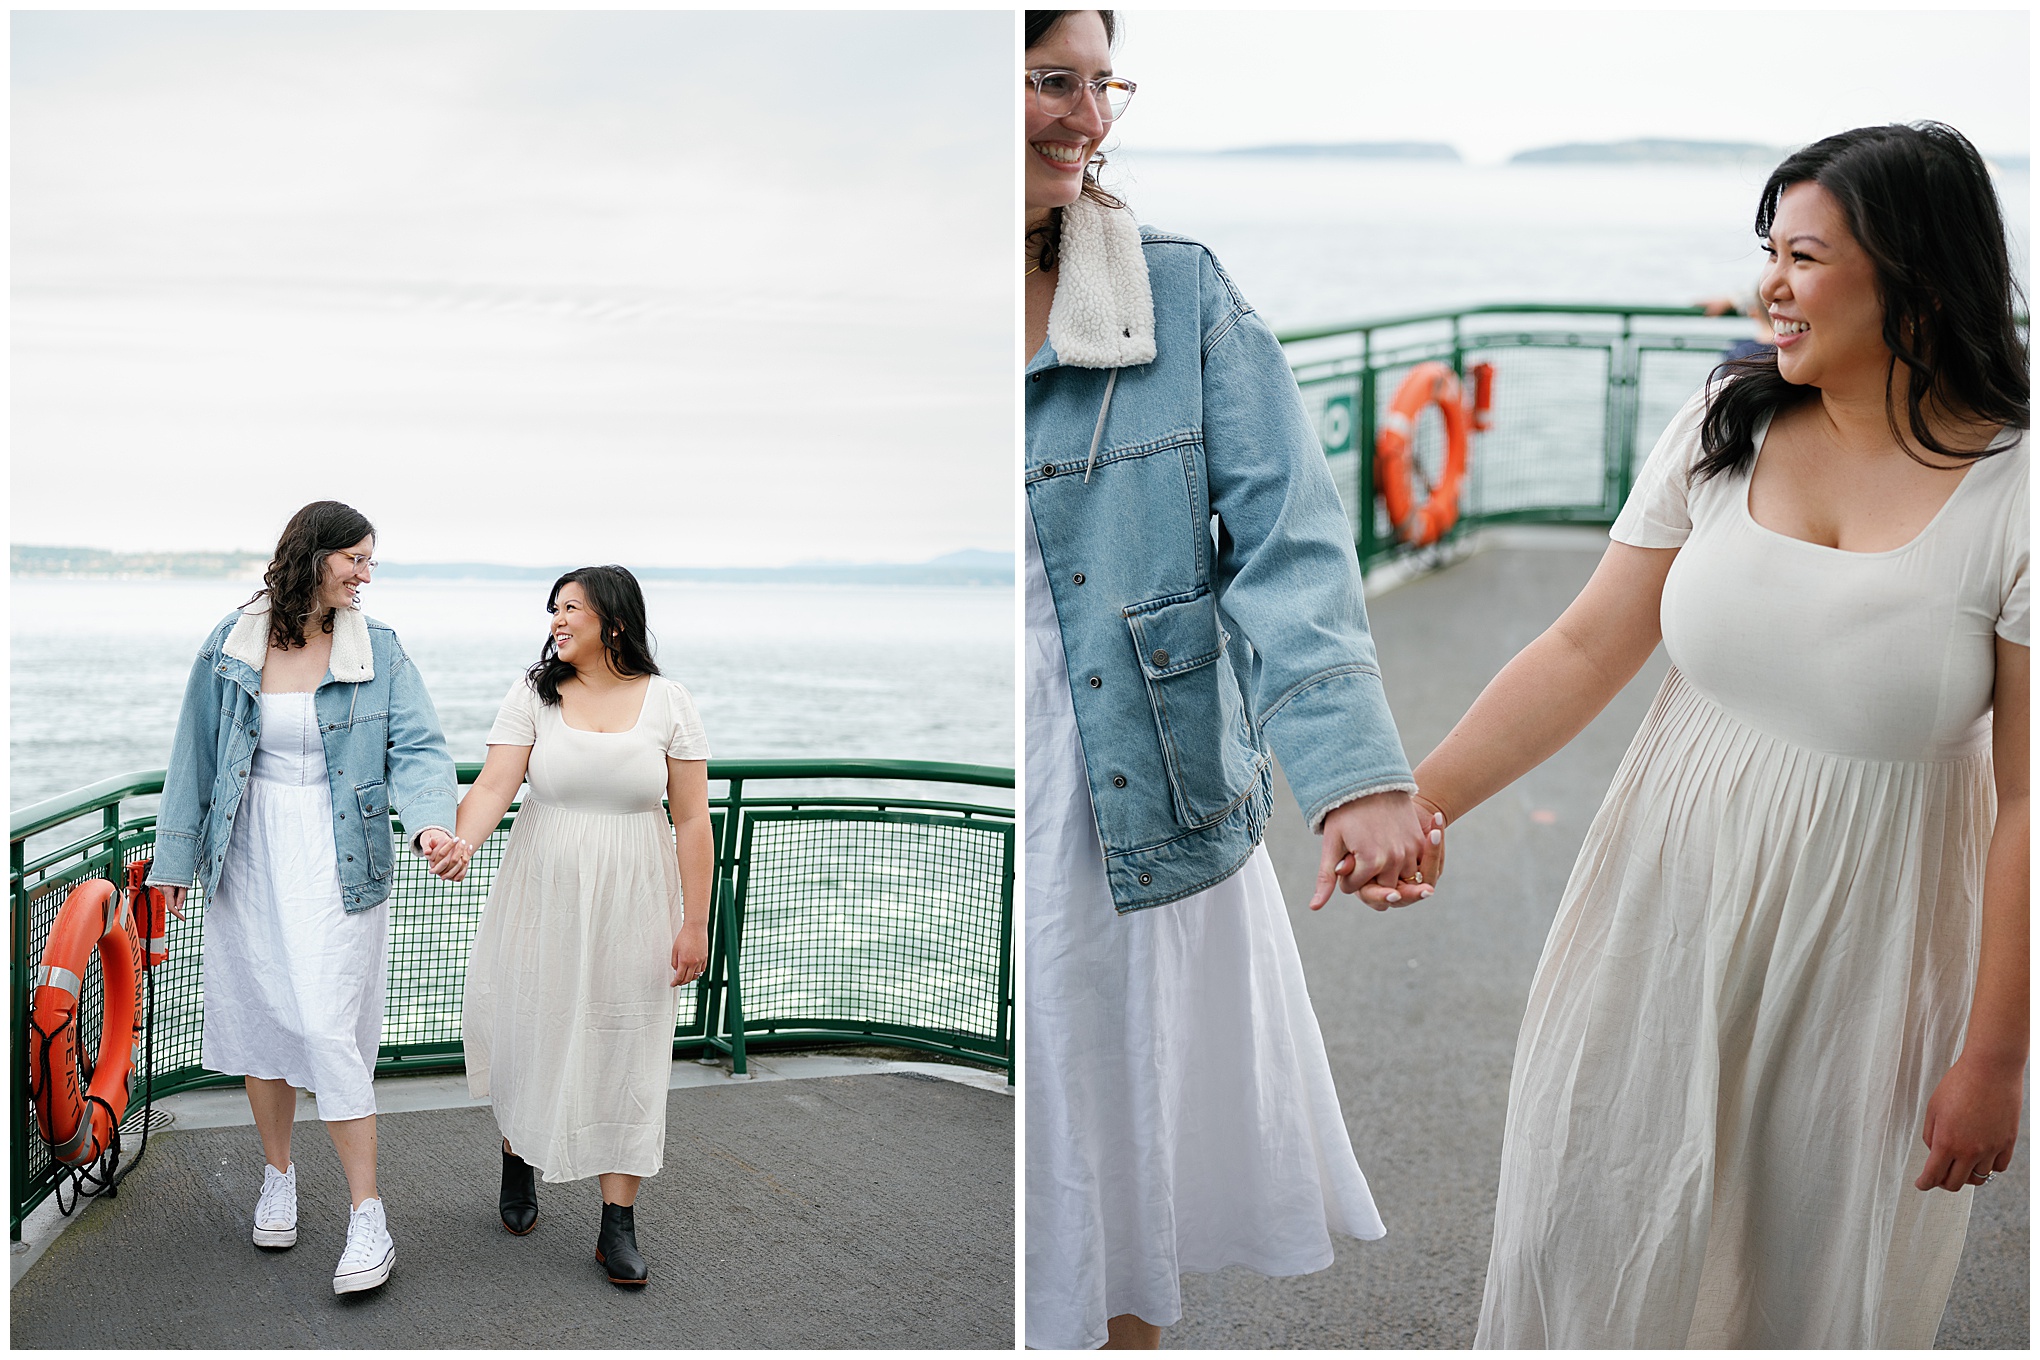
(1098, 430)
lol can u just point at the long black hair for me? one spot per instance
(291, 581)
(1044, 243)
(616, 599)
(1919, 200)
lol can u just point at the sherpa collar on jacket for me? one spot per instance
(353, 662)
(1103, 315)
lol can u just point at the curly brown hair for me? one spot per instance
(1044, 243)
(292, 579)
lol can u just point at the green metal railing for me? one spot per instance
(836, 918)
(1581, 393)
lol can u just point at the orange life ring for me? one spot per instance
(76, 1122)
(1395, 462)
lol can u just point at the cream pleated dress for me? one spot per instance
(1763, 963)
(1180, 1109)
(568, 1016)
(293, 981)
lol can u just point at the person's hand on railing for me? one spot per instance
(690, 953)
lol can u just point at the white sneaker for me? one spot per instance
(276, 1211)
(370, 1252)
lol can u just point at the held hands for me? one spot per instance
(690, 954)
(447, 856)
(1375, 846)
(1972, 1123)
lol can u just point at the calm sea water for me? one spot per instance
(902, 672)
(1320, 242)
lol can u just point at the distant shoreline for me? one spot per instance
(1635, 151)
(972, 567)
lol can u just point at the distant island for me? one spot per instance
(970, 567)
(1653, 150)
(1357, 151)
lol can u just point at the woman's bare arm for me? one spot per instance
(1973, 1119)
(488, 798)
(687, 797)
(1555, 686)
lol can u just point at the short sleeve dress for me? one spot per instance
(1762, 965)
(567, 1019)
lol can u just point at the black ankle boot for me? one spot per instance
(518, 1202)
(617, 1249)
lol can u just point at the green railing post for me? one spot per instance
(1363, 495)
(1005, 991)
(732, 933)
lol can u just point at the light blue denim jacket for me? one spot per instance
(1201, 564)
(383, 749)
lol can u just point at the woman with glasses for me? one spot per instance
(304, 728)
(597, 913)
(1193, 610)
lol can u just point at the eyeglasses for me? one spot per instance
(1056, 92)
(359, 560)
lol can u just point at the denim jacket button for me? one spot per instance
(1095, 682)
(1048, 469)
(1118, 781)
(1078, 579)
(1145, 880)
(1161, 658)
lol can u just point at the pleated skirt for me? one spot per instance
(1760, 970)
(567, 1019)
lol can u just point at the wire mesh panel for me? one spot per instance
(1667, 377)
(855, 920)
(1544, 450)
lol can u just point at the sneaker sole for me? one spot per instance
(276, 1239)
(365, 1279)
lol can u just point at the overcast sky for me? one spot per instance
(666, 288)
(1493, 83)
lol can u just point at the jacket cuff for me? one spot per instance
(1337, 741)
(1317, 826)
(175, 862)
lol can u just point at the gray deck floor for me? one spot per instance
(1420, 1007)
(831, 1212)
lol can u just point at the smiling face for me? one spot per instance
(341, 578)
(1058, 149)
(576, 628)
(1821, 292)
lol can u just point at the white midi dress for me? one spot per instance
(1763, 962)
(567, 1019)
(1180, 1109)
(293, 981)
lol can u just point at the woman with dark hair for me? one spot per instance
(1194, 609)
(304, 726)
(1779, 1027)
(593, 917)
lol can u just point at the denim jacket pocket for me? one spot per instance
(1200, 716)
(374, 802)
